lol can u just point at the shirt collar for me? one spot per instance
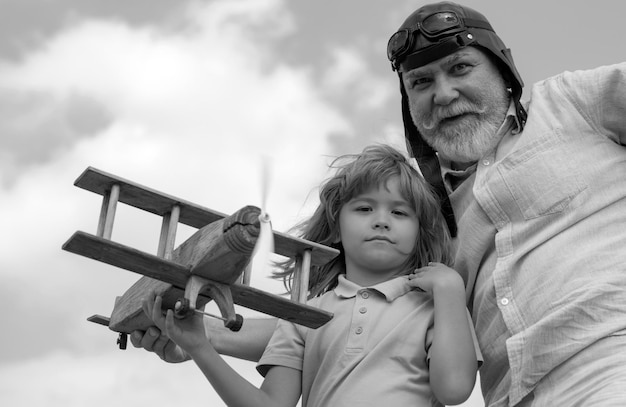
(390, 289)
(511, 122)
(510, 126)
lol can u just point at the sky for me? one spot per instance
(187, 97)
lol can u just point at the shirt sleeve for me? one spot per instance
(285, 348)
(599, 95)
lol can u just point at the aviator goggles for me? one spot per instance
(433, 27)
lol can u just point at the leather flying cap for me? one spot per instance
(428, 34)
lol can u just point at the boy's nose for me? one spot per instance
(381, 224)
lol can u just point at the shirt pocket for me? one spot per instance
(543, 176)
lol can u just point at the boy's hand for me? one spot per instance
(434, 277)
(188, 333)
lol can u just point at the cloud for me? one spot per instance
(188, 112)
(100, 380)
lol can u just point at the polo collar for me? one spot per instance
(390, 289)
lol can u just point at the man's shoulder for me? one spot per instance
(583, 79)
(581, 74)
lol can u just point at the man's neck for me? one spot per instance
(459, 166)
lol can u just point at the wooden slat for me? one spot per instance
(145, 198)
(169, 227)
(291, 247)
(128, 258)
(303, 268)
(172, 277)
(160, 204)
(279, 307)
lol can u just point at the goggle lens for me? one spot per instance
(398, 44)
(432, 26)
(440, 22)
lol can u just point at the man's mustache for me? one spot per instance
(430, 120)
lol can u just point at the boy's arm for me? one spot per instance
(453, 362)
(249, 343)
(281, 387)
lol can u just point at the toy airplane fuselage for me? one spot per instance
(207, 266)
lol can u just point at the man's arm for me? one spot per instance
(248, 344)
(600, 95)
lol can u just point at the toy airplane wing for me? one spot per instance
(177, 276)
(207, 266)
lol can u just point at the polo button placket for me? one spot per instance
(357, 341)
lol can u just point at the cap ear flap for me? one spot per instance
(427, 161)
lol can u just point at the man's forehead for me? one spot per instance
(468, 52)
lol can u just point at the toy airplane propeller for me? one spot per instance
(207, 266)
(265, 243)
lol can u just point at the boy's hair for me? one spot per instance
(357, 173)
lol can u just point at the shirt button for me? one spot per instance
(504, 301)
(362, 310)
(358, 331)
(486, 162)
(365, 294)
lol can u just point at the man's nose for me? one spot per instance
(444, 91)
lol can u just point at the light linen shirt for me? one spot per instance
(372, 353)
(542, 239)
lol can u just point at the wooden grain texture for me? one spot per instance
(218, 251)
(208, 253)
(197, 216)
(170, 282)
(145, 198)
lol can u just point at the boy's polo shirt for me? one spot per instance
(373, 352)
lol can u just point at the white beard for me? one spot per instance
(471, 135)
(467, 141)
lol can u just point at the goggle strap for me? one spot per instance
(433, 53)
(473, 23)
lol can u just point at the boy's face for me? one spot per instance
(378, 230)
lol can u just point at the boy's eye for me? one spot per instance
(399, 213)
(363, 208)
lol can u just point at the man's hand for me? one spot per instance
(153, 340)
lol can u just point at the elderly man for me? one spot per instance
(536, 196)
(538, 193)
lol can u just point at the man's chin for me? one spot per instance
(455, 151)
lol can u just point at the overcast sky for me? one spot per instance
(185, 97)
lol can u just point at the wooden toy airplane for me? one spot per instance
(207, 266)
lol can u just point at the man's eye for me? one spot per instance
(420, 82)
(461, 68)
(417, 82)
